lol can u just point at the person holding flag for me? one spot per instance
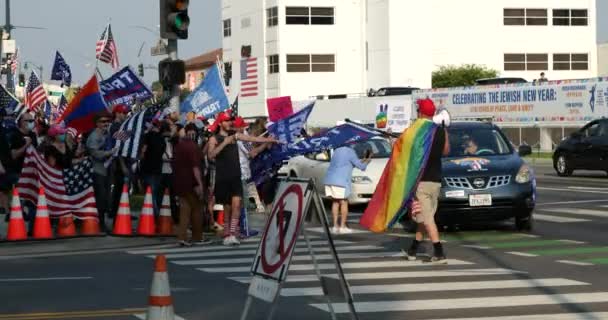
(228, 189)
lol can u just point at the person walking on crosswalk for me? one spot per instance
(427, 193)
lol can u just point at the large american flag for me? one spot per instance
(105, 50)
(249, 77)
(34, 93)
(68, 191)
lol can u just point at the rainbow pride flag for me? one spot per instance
(400, 177)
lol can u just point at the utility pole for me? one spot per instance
(10, 83)
(175, 90)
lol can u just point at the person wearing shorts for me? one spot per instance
(427, 191)
(338, 184)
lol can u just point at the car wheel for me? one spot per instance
(562, 166)
(524, 223)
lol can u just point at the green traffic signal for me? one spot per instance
(174, 20)
(21, 80)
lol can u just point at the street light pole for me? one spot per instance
(175, 90)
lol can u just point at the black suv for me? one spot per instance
(585, 149)
(484, 178)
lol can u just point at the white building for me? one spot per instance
(335, 47)
(602, 59)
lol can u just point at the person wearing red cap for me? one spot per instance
(427, 192)
(228, 188)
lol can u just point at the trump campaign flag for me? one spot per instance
(83, 107)
(123, 87)
(209, 98)
(61, 71)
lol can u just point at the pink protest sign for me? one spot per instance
(279, 108)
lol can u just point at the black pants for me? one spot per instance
(118, 180)
(101, 185)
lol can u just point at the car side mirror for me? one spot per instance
(321, 157)
(525, 150)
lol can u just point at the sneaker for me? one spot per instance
(228, 241)
(235, 241)
(410, 254)
(202, 242)
(335, 230)
(185, 244)
(346, 230)
(439, 260)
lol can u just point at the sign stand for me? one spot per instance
(275, 251)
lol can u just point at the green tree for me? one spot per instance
(459, 76)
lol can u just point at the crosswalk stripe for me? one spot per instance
(557, 219)
(468, 303)
(347, 265)
(576, 263)
(575, 211)
(174, 249)
(522, 254)
(354, 231)
(237, 252)
(295, 258)
(548, 316)
(397, 275)
(441, 286)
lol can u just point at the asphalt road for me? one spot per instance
(557, 271)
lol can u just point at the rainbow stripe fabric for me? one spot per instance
(396, 187)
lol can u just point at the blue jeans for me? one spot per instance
(154, 181)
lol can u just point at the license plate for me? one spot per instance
(480, 200)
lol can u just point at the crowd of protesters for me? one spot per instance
(201, 165)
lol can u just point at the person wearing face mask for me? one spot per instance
(95, 146)
(55, 151)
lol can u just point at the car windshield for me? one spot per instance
(477, 141)
(380, 148)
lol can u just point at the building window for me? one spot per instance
(525, 17)
(273, 63)
(297, 15)
(227, 73)
(322, 15)
(309, 15)
(570, 17)
(570, 61)
(272, 16)
(227, 28)
(526, 61)
(298, 63)
(311, 63)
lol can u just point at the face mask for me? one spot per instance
(61, 138)
(31, 126)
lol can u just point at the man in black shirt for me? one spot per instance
(154, 146)
(427, 192)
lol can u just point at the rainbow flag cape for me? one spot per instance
(400, 177)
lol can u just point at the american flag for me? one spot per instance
(105, 50)
(249, 77)
(15, 61)
(67, 191)
(63, 104)
(34, 93)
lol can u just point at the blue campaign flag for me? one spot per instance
(61, 71)
(209, 98)
(124, 87)
(288, 129)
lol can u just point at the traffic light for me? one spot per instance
(174, 20)
(171, 72)
(21, 80)
(140, 70)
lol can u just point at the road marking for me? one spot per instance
(557, 252)
(548, 316)
(397, 275)
(72, 314)
(557, 219)
(575, 211)
(442, 286)
(598, 260)
(295, 258)
(576, 263)
(222, 247)
(476, 247)
(571, 202)
(488, 236)
(347, 265)
(524, 244)
(229, 252)
(587, 188)
(354, 231)
(44, 279)
(143, 316)
(468, 303)
(573, 241)
(522, 254)
(570, 190)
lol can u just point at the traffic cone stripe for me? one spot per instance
(124, 205)
(160, 301)
(148, 206)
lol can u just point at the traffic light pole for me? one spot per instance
(175, 90)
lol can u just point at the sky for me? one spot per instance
(602, 19)
(73, 27)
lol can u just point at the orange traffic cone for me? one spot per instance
(16, 225)
(42, 224)
(122, 222)
(165, 221)
(160, 303)
(146, 218)
(66, 227)
(90, 227)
